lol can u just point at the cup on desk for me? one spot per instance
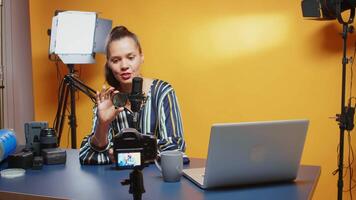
(171, 165)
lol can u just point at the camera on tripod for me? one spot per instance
(133, 149)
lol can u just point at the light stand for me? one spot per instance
(345, 119)
(69, 85)
(75, 38)
(330, 10)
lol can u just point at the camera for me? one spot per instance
(133, 149)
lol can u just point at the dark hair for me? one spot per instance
(117, 33)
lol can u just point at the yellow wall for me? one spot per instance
(228, 60)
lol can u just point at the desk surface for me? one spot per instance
(74, 181)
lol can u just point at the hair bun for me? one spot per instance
(120, 29)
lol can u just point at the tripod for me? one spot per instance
(68, 86)
(136, 183)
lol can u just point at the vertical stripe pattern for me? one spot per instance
(159, 116)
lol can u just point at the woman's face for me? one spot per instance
(125, 60)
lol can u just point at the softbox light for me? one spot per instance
(76, 36)
(325, 9)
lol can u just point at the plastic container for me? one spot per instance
(7, 143)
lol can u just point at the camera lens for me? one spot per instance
(48, 138)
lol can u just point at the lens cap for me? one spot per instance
(12, 173)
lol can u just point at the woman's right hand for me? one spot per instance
(106, 109)
(106, 114)
(111, 155)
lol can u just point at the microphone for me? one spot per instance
(136, 95)
(136, 98)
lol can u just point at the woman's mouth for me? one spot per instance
(126, 76)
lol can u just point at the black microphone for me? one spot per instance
(136, 95)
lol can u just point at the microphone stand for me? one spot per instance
(135, 122)
(69, 85)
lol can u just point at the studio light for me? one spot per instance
(325, 9)
(76, 36)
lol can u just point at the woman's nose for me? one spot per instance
(124, 68)
(124, 65)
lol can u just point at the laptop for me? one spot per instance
(251, 153)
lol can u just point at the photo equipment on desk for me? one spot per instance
(54, 156)
(39, 136)
(49, 153)
(330, 10)
(22, 159)
(48, 138)
(75, 37)
(8, 149)
(132, 149)
(32, 135)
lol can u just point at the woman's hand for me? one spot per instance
(111, 155)
(106, 109)
(106, 114)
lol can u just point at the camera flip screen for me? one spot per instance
(128, 159)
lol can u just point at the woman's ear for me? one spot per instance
(107, 66)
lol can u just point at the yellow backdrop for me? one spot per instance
(228, 60)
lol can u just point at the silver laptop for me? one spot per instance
(251, 153)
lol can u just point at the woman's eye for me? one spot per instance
(115, 61)
(131, 57)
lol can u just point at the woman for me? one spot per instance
(159, 115)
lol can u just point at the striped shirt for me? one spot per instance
(159, 116)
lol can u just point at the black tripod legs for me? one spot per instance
(136, 184)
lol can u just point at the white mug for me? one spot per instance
(171, 165)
